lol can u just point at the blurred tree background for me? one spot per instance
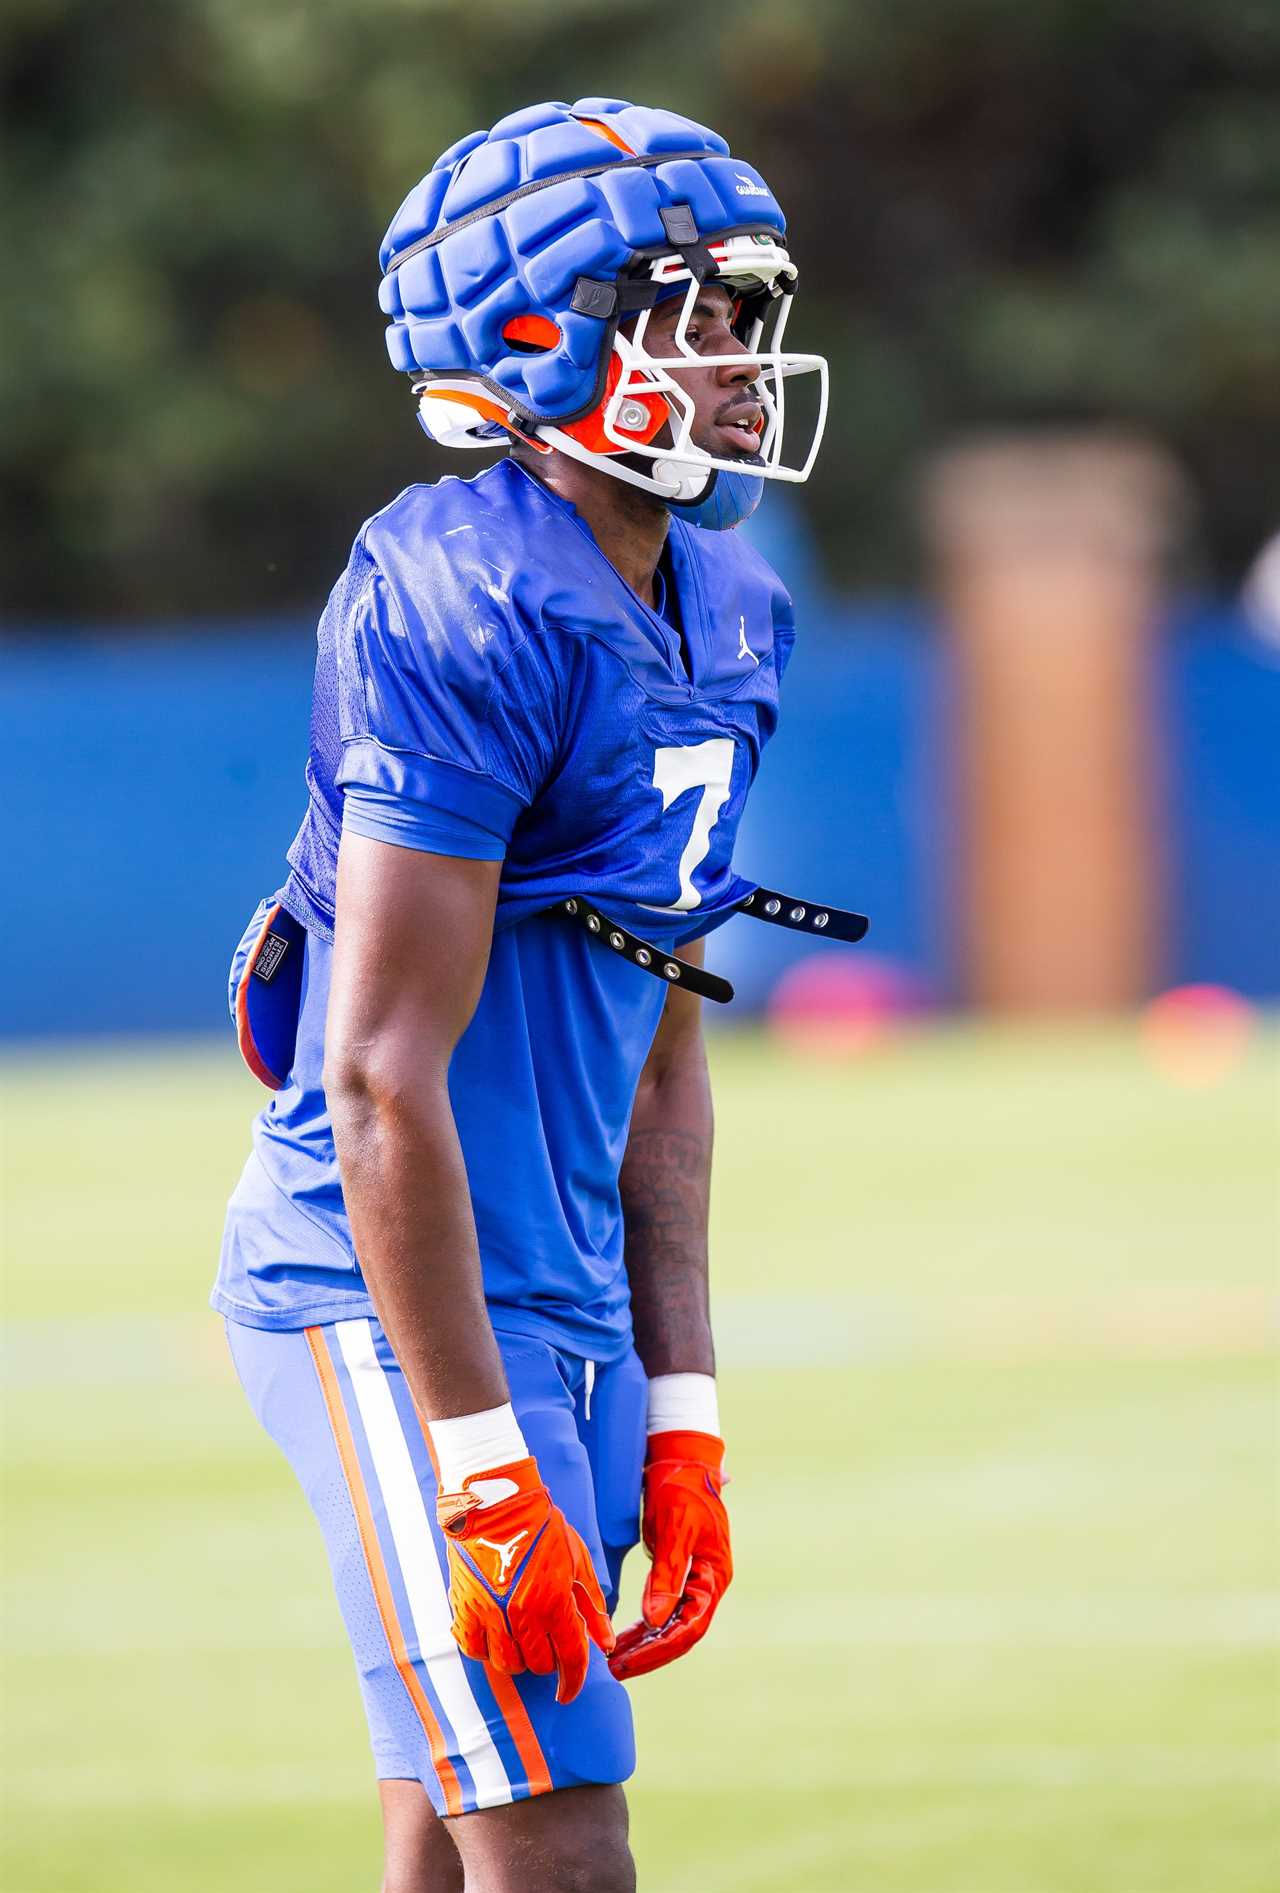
(1003, 213)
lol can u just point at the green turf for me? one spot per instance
(994, 1312)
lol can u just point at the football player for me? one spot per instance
(465, 1269)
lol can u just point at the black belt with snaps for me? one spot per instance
(778, 910)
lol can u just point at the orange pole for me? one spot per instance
(1048, 555)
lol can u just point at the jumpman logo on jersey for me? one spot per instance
(504, 1553)
(744, 649)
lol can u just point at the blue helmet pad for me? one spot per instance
(450, 301)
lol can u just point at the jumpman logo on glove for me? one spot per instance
(544, 1614)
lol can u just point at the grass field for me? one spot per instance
(995, 1312)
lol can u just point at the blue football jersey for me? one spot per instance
(487, 684)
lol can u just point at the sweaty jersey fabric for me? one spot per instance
(487, 682)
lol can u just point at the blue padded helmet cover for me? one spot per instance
(517, 251)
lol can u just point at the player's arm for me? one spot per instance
(411, 945)
(665, 1185)
(412, 939)
(666, 1188)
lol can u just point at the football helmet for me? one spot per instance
(520, 275)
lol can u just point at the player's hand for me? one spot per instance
(521, 1584)
(686, 1533)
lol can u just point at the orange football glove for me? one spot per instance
(686, 1533)
(521, 1584)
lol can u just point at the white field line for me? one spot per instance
(668, 1768)
(836, 1620)
(753, 1331)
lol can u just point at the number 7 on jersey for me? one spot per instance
(707, 766)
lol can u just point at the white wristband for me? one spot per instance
(683, 1403)
(475, 1442)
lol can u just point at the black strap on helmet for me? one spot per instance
(433, 237)
(681, 227)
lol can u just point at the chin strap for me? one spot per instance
(778, 910)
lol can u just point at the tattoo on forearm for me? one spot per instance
(665, 1185)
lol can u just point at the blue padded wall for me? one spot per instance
(155, 782)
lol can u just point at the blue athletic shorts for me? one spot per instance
(334, 1400)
